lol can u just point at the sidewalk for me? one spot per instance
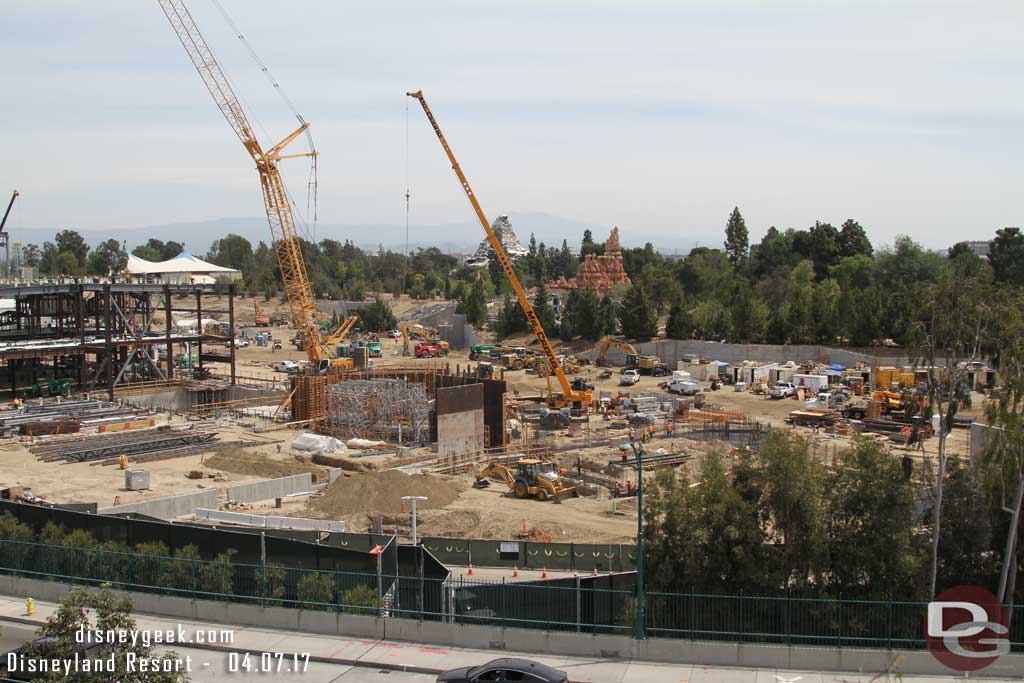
(427, 659)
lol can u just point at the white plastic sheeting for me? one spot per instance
(316, 443)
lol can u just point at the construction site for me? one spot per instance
(400, 422)
(161, 399)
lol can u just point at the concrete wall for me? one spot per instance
(504, 640)
(172, 399)
(671, 351)
(170, 507)
(981, 434)
(271, 488)
(460, 419)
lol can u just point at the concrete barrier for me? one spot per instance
(170, 507)
(271, 488)
(270, 522)
(671, 351)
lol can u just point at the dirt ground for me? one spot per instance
(368, 488)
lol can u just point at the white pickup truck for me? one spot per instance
(686, 387)
(285, 366)
(783, 390)
(628, 378)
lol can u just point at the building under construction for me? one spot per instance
(60, 338)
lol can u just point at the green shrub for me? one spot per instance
(361, 599)
(315, 590)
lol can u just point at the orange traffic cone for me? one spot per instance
(544, 575)
(515, 571)
(470, 572)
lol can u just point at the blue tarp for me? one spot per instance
(833, 373)
(837, 366)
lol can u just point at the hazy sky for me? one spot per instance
(657, 116)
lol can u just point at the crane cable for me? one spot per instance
(405, 256)
(312, 183)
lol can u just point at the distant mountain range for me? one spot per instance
(460, 237)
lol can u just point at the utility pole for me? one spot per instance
(414, 499)
(638, 630)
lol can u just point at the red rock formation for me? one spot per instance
(599, 273)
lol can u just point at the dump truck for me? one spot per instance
(532, 478)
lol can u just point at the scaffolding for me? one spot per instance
(386, 409)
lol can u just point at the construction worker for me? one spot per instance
(650, 432)
(629, 487)
(632, 435)
(624, 455)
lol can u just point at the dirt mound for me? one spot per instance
(237, 461)
(382, 492)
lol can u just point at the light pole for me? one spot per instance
(638, 451)
(414, 499)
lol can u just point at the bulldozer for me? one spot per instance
(532, 478)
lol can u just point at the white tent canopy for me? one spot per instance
(183, 268)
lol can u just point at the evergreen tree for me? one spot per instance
(377, 317)
(853, 240)
(511, 319)
(608, 315)
(679, 325)
(737, 240)
(639, 318)
(494, 269)
(473, 303)
(544, 311)
(1006, 256)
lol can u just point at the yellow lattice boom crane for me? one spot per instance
(275, 198)
(580, 398)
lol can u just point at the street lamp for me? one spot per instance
(414, 499)
(638, 451)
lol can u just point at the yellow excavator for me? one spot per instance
(610, 342)
(532, 478)
(573, 397)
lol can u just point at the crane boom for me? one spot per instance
(582, 398)
(287, 246)
(7, 213)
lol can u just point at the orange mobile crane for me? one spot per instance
(275, 198)
(575, 395)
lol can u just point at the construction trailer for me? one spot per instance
(94, 336)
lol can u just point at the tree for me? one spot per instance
(104, 612)
(853, 240)
(871, 506)
(608, 315)
(955, 313)
(799, 311)
(30, 255)
(146, 253)
(737, 240)
(679, 325)
(107, 258)
(494, 269)
(750, 314)
(65, 263)
(701, 538)
(793, 507)
(511, 319)
(377, 317)
(588, 246)
(711, 320)
(473, 303)
(70, 241)
(232, 251)
(1006, 256)
(639, 319)
(544, 311)
(582, 316)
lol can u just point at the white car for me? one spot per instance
(285, 366)
(241, 343)
(628, 378)
(394, 334)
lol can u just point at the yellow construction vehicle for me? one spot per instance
(423, 334)
(610, 342)
(532, 477)
(574, 399)
(284, 236)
